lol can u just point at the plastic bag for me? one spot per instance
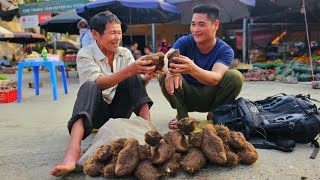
(118, 128)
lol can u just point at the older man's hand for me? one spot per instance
(139, 66)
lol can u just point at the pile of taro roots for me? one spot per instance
(164, 155)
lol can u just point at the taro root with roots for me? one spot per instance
(212, 146)
(177, 140)
(103, 153)
(117, 145)
(171, 55)
(144, 152)
(152, 137)
(193, 161)
(162, 153)
(232, 158)
(223, 132)
(157, 60)
(248, 154)
(92, 166)
(109, 169)
(146, 171)
(195, 139)
(128, 158)
(170, 168)
(237, 140)
(187, 125)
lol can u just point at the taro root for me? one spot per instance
(103, 153)
(195, 139)
(152, 137)
(94, 163)
(212, 146)
(171, 55)
(128, 158)
(157, 60)
(223, 132)
(237, 140)
(146, 171)
(187, 125)
(177, 140)
(248, 154)
(171, 167)
(232, 158)
(109, 170)
(144, 152)
(162, 153)
(210, 127)
(92, 167)
(193, 161)
(117, 145)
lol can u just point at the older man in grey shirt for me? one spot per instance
(111, 86)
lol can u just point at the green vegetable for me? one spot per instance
(3, 78)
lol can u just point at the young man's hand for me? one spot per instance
(184, 66)
(172, 82)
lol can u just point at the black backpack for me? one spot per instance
(283, 119)
(241, 115)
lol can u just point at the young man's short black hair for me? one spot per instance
(99, 21)
(211, 10)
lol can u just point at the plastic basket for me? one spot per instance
(69, 58)
(8, 96)
(263, 66)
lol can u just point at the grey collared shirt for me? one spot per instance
(92, 63)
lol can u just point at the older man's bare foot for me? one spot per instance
(68, 163)
(62, 170)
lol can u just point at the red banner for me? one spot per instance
(43, 17)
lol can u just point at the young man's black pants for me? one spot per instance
(91, 107)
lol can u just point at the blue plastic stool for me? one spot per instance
(51, 66)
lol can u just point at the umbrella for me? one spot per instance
(20, 37)
(8, 10)
(64, 44)
(230, 10)
(133, 11)
(63, 23)
(4, 33)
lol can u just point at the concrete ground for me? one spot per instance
(33, 134)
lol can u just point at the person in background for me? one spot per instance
(5, 62)
(201, 80)
(164, 46)
(14, 60)
(147, 50)
(133, 47)
(27, 50)
(85, 34)
(112, 86)
(138, 53)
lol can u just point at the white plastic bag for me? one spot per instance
(118, 128)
